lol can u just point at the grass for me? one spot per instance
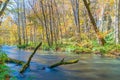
(86, 46)
(4, 70)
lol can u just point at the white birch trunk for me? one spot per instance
(101, 18)
(116, 27)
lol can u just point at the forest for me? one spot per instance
(59, 39)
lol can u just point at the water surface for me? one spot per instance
(90, 67)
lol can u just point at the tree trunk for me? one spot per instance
(75, 8)
(62, 62)
(101, 27)
(18, 26)
(116, 22)
(51, 21)
(15, 61)
(45, 23)
(23, 22)
(101, 39)
(3, 8)
(30, 58)
(119, 21)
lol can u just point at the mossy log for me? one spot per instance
(62, 62)
(15, 61)
(25, 66)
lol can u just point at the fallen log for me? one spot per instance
(25, 66)
(62, 62)
(10, 60)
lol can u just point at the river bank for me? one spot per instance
(89, 67)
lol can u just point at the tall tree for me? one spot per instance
(75, 8)
(101, 39)
(119, 20)
(116, 22)
(23, 20)
(18, 22)
(45, 22)
(3, 8)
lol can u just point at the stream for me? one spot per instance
(90, 66)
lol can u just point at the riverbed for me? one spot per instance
(89, 67)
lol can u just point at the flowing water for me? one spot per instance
(90, 67)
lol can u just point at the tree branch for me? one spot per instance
(28, 62)
(62, 62)
(5, 5)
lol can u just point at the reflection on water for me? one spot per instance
(90, 67)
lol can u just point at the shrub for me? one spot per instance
(3, 57)
(4, 70)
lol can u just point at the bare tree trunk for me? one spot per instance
(22, 7)
(101, 39)
(51, 20)
(34, 30)
(101, 18)
(75, 7)
(30, 58)
(31, 35)
(18, 27)
(64, 14)
(24, 22)
(116, 22)
(57, 15)
(62, 62)
(119, 21)
(2, 10)
(40, 21)
(45, 23)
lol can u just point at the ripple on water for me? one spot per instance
(90, 67)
